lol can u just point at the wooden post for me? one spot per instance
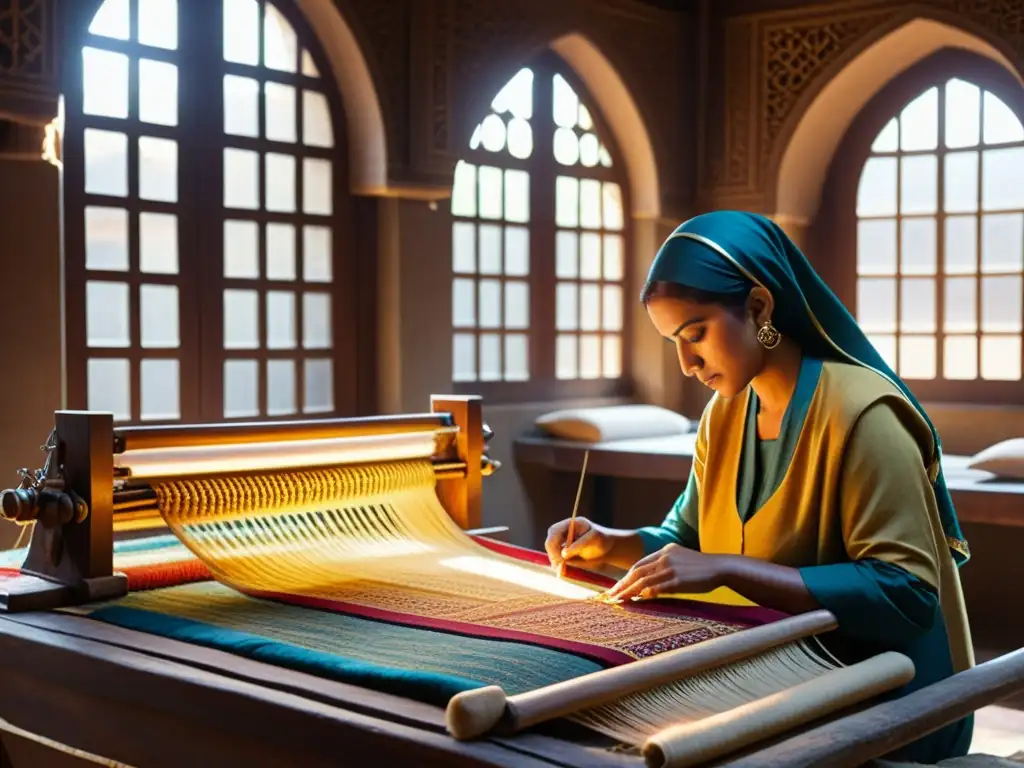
(87, 443)
(463, 497)
(74, 562)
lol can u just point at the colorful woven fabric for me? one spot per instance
(402, 638)
(611, 634)
(605, 634)
(419, 663)
(403, 653)
(149, 562)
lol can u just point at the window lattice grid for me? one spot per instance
(940, 237)
(537, 241)
(126, 320)
(589, 268)
(278, 200)
(168, 287)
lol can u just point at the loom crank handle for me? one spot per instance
(48, 506)
(475, 713)
(43, 495)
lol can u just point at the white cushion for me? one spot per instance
(613, 422)
(1005, 459)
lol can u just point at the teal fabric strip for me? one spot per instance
(428, 687)
(13, 558)
(880, 602)
(679, 526)
(764, 463)
(333, 642)
(881, 607)
(163, 541)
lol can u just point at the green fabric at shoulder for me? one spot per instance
(429, 687)
(764, 463)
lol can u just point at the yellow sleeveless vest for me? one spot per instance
(800, 525)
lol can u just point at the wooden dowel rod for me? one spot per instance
(191, 435)
(132, 505)
(139, 497)
(151, 523)
(697, 742)
(472, 714)
(131, 494)
(876, 731)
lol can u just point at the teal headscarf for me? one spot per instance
(732, 251)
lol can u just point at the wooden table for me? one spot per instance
(979, 497)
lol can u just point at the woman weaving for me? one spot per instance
(816, 480)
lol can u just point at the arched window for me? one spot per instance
(203, 199)
(538, 246)
(940, 238)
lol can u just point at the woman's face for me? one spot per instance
(716, 344)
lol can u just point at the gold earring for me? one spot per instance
(769, 336)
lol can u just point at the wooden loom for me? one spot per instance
(95, 483)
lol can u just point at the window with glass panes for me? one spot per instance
(203, 202)
(940, 238)
(538, 245)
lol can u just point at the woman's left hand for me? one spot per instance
(672, 569)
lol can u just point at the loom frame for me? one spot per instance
(150, 702)
(72, 563)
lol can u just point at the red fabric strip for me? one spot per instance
(597, 653)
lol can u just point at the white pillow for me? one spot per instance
(1005, 459)
(613, 422)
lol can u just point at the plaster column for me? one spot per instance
(31, 344)
(797, 227)
(414, 312)
(655, 367)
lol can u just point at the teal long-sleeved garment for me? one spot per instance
(879, 606)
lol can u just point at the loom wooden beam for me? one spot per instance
(85, 440)
(475, 713)
(874, 732)
(463, 497)
(235, 433)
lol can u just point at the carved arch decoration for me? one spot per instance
(805, 149)
(781, 69)
(28, 60)
(29, 79)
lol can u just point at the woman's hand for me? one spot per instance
(671, 569)
(591, 543)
